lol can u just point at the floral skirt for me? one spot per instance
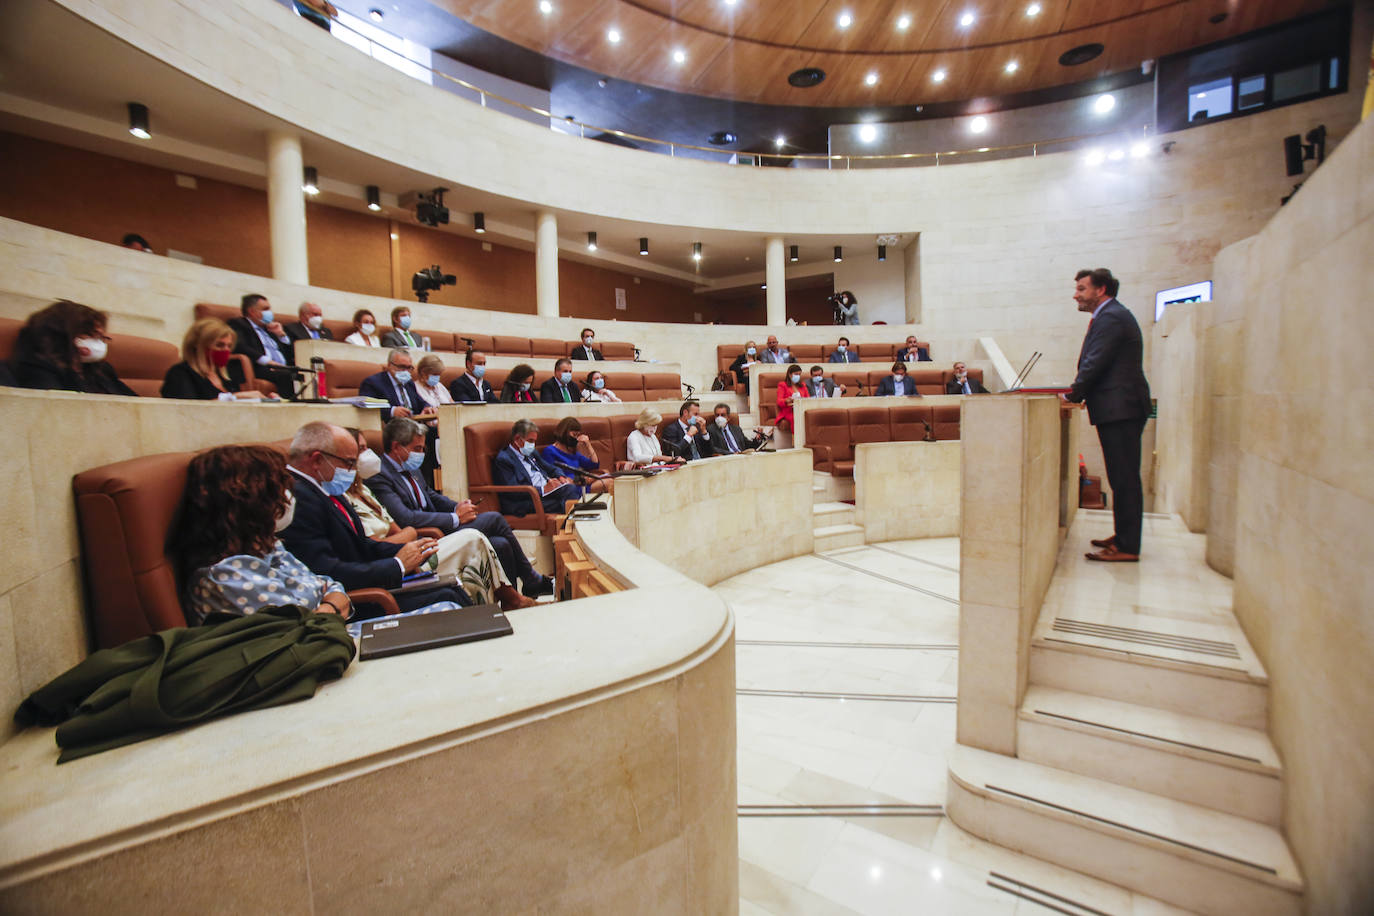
(469, 556)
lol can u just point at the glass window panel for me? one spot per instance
(1251, 92)
(1209, 99)
(1300, 81)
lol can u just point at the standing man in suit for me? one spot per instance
(394, 384)
(310, 326)
(726, 436)
(518, 465)
(1111, 379)
(962, 384)
(327, 535)
(912, 353)
(264, 341)
(897, 383)
(822, 387)
(561, 389)
(587, 351)
(471, 386)
(842, 353)
(687, 437)
(414, 503)
(399, 335)
(774, 353)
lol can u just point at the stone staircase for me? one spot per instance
(834, 520)
(1142, 757)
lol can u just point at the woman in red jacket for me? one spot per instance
(789, 389)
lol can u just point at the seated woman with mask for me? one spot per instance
(596, 392)
(571, 453)
(465, 554)
(516, 390)
(789, 389)
(62, 347)
(208, 370)
(427, 382)
(642, 446)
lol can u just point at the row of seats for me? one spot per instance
(928, 381)
(343, 378)
(832, 433)
(449, 342)
(807, 355)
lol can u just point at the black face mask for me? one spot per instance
(569, 441)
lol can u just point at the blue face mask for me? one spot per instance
(842, 347)
(524, 386)
(432, 381)
(403, 377)
(267, 316)
(414, 460)
(341, 481)
(751, 351)
(565, 377)
(479, 371)
(527, 449)
(598, 383)
(796, 378)
(404, 322)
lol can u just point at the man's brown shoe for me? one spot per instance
(1105, 542)
(1112, 555)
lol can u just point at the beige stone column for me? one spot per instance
(546, 264)
(286, 208)
(775, 275)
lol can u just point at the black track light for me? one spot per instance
(793, 255)
(839, 255)
(138, 120)
(882, 252)
(374, 198)
(479, 223)
(696, 251)
(643, 244)
(311, 185)
(591, 241)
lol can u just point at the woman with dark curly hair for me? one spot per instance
(237, 498)
(516, 390)
(62, 347)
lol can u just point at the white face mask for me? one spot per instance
(369, 464)
(722, 421)
(316, 322)
(287, 514)
(367, 329)
(95, 349)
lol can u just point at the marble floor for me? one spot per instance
(846, 676)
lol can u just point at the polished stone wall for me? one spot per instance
(907, 490)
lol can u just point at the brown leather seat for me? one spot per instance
(614, 349)
(621, 427)
(628, 386)
(510, 346)
(827, 435)
(340, 329)
(662, 386)
(9, 333)
(807, 355)
(343, 377)
(141, 362)
(852, 382)
(222, 312)
(973, 374)
(928, 381)
(480, 342)
(946, 421)
(768, 397)
(547, 348)
(483, 441)
(877, 352)
(910, 422)
(125, 512)
(441, 341)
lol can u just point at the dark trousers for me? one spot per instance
(503, 541)
(1121, 454)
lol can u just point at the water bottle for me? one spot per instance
(319, 389)
(425, 341)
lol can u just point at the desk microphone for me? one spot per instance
(690, 390)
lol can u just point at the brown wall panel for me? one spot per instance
(349, 251)
(500, 280)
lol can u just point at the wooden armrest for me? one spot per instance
(378, 596)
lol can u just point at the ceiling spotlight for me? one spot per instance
(967, 19)
(479, 223)
(696, 251)
(138, 120)
(311, 185)
(613, 36)
(871, 79)
(591, 241)
(1140, 149)
(868, 133)
(374, 198)
(882, 252)
(1117, 154)
(845, 20)
(545, 7)
(643, 244)
(793, 254)
(839, 254)
(375, 14)
(779, 141)
(679, 56)
(1095, 157)
(731, 2)
(1033, 10)
(1012, 66)
(1104, 103)
(978, 124)
(903, 23)
(938, 76)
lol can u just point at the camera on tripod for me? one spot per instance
(430, 279)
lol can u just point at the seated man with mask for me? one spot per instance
(412, 502)
(898, 383)
(517, 465)
(687, 438)
(471, 386)
(327, 535)
(726, 436)
(822, 387)
(393, 384)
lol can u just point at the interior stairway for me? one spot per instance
(834, 520)
(1142, 757)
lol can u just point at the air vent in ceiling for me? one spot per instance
(1081, 54)
(806, 77)
(722, 138)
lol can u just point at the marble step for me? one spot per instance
(1219, 692)
(833, 513)
(833, 537)
(1214, 764)
(1192, 857)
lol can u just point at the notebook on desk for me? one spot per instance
(398, 635)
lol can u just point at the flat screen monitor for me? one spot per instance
(1193, 292)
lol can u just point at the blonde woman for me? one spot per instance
(208, 370)
(364, 330)
(642, 446)
(427, 384)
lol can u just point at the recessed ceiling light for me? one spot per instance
(591, 241)
(978, 124)
(779, 141)
(613, 36)
(938, 76)
(1117, 155)
(1095, 157)
(138, 120)
(845, 20)
(871, 79)
(1202, 95)
(679, 56)
(1104, 103)
(375, 14)
(545, 7)
(731, 2)
(983, 149)
(967, 19)
(1033, 10)
(1012, 66)
(868, 133)
(903, 23)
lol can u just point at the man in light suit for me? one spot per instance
(471, 386)
(311, 324)
(774, 353)
(822, 387)
(843, 353)
(561, 389)
(395, 385)
(1111, 379)
(519, 465)
(264, 341)
(413, 503)
(897, 383)
(587, 350)
(726, 436)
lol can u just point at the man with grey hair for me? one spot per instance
(518, 465)
(413, 503)
(326, 534)
(394, 385)
(311, 324)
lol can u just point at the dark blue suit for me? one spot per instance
(848, 356)
(509, 470)
(463, 389)
(889, 386)
(674, 436)
(382, 385)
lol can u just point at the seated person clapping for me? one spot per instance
(62, 347)
(898, 383)
(516, 390)
(789, 390)
(641, 446)
(208, 370)
(596, 392)
(518, 465)
(571, 454)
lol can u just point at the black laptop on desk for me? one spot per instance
(398, 635)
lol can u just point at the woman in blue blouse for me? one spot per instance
(571, 453)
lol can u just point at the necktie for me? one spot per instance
(567, 395)
(967, 390)
(338, 504)
(730, 439)
(401, 394)
(415, 488)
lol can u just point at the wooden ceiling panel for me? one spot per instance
(753, 72)
(655, 62)
(1085, 13)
